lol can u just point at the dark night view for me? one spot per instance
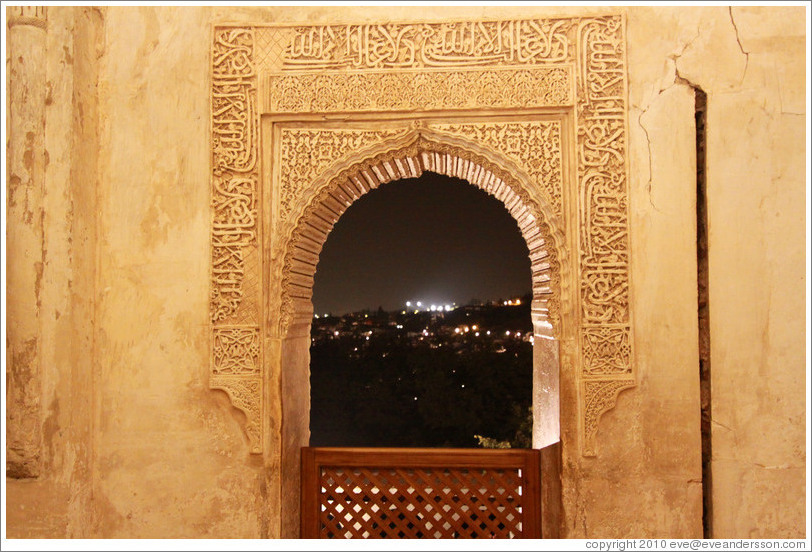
(421, 335)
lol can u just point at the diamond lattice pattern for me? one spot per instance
(420, 503)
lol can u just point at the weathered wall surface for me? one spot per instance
(127, 411)
(56, 504)
(756, 143)
(750, 63)
(170, 455)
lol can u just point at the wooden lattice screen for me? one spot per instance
(420, 493)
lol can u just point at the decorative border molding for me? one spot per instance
(603, 224)
(575, 63)
(410, 91)
(235, 303)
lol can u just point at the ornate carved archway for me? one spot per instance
(324, 102)
(408, 155)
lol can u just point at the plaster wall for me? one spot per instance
(136, 445)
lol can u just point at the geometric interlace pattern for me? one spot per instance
(420, 503)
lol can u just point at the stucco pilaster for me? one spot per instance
(25, 156)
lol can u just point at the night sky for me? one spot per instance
(434, 239)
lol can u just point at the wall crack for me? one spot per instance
(739, 42)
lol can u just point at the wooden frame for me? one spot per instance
(418, 509)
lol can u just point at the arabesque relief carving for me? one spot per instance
(603, 217)
(599, 396)
(535, 146)
(236, 351)
(575, 65)
(461, 89)
(236, 268)
(307, 153)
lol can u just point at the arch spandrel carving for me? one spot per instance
(574, 66)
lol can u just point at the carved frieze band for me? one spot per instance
(410, 91)
(235, 294)
(402, 46)
(515, 64)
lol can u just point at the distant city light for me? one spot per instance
(419, 304)
(315, 316)
(335, 332)
(507, 332)
(456, 330)
(477, 334)
(488, 332)
(408, 303)
(399, 326)
(475, 327)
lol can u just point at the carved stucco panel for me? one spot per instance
(409, 91)
(572, 63)
(402, 46)
(535, 146)
(245, 394)
(307, 153)
(236, 265)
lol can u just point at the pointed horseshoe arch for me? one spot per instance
(409, 157)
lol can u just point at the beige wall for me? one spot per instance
(136, 445)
